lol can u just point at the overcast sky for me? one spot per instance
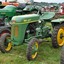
(58, 1)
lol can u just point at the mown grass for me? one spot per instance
(46, 54)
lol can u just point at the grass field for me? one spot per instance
(46, 55)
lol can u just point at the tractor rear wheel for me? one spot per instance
(62, 56)
(32, 49)
(58, 35)
(5, 44)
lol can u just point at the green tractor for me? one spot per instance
(27, 28)
(62, 51)
(5, 17)
(58, 28)
(30, 29)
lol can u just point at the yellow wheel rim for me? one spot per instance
(60, 36)
(8, 47)
(9, 44)
(35, 54)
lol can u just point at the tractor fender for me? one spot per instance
(47, 15)
(4, 30)
(57, 20)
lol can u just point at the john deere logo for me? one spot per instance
(29, 20)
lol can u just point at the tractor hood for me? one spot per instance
(2, 11)
(47, 15)
(9, 10)
(26, 18)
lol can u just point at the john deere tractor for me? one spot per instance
(5, 16)
(30, 29)
(27, 28)
(58, 28)
(62, 51)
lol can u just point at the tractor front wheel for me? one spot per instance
(32, 49)
(5, 44)
(58, 35)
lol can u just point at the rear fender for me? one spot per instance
(47, 15)
(56, 22)
(4, 30)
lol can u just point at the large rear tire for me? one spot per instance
(32, 49)
(58, 35)
(62, 56)
(5, 45)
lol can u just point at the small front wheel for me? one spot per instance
(5, 44)
(32, 49)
